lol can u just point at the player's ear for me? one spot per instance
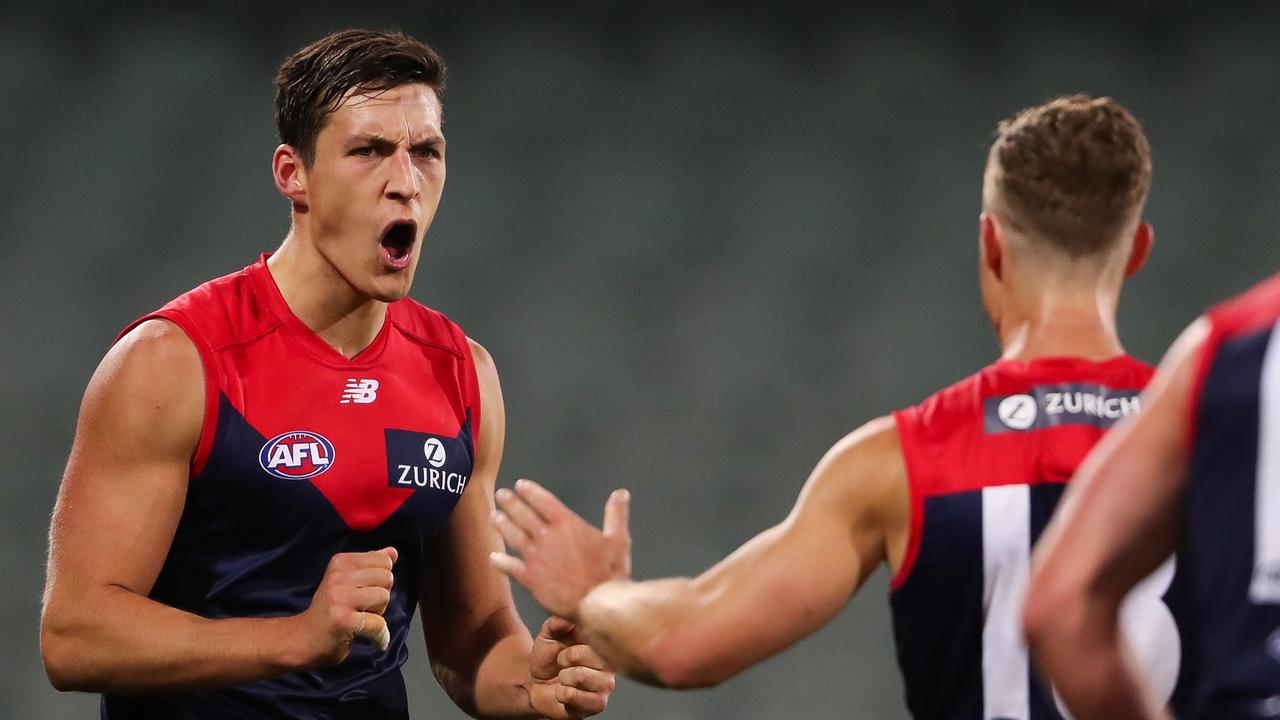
(1143, 238)
(991, 244)
(290, 175)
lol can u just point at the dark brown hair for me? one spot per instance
(1074, 171)
(312, 82)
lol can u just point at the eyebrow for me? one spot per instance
(381, 141)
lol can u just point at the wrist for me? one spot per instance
(286, 644)
(599, 598)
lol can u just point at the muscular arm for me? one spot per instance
(777, 588)
(481, 652)
(117, 510)
(1117, 523)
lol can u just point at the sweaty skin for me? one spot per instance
(379, 160)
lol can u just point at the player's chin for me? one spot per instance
(392, 287)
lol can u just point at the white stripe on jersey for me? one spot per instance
(1006, 550)
(1265, 587)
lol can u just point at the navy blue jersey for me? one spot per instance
(1231, 536)
(987, 461)
(304, 454)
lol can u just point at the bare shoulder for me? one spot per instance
(861, 479)
(486, 369)
(874, 442)
(493, 418)
(869, 460)
(157, 341)
(152, 379)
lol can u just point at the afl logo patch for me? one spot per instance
(296, 455)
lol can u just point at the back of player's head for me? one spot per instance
(313, 82)
(1073, 172)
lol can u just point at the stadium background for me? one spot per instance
(702, 241)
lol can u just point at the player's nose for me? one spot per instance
(402, 184)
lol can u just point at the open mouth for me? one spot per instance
(397, 241)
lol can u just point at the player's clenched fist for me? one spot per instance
(348, 604)
(562, 556)
(569, 679)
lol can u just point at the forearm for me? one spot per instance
(638, 628)
(1110, 684)
(485, 671)
(117, 641)
(503, 684)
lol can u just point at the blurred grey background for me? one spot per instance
(702, 240)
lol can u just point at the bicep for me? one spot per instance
(125, 482)
(792, 578)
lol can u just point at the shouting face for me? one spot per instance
(372, 189)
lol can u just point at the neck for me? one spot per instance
(1058, 323)
(322, 299)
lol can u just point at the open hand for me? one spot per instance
(562, 556)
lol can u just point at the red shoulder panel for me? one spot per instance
(1252, 310)
(432, 327)
(215, 314)
(947, 447)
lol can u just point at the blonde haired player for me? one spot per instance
(950, 494)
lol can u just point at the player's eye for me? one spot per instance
(362, 151)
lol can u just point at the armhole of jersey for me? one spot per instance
(1208, 351)
(209, 424)
(902, 419)
(472, 389)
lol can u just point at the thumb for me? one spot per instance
(616, 514)
(374, 629)
(557, 628)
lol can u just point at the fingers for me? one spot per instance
(579, 702)
(541, 500)
(353, 595)
(581, 656)
(520, 512)
(384, 558)
(588, 679)
(617, 513)
(512, 534)
(511, 566)
(372, 577)
(557, 628)
(370, 599)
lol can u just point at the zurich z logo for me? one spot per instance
(296, 455)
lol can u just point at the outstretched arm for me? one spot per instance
(690, 632)
(1117, 523)
(481, 652)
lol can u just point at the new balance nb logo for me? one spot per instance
(361, 391)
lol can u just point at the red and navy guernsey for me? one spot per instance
(1230, 548)
(305, 453)
(987, 461)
